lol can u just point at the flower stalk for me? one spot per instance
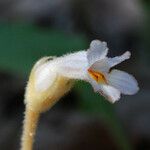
(29, 129)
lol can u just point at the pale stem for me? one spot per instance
(29, 128)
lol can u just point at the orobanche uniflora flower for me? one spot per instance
(109, 83)
(52, 77)
(92, 66)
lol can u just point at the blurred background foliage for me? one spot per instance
(23, 44)
(30, 30)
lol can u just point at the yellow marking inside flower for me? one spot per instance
(97, 76)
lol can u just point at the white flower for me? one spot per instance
(92, 66)
(109, 83)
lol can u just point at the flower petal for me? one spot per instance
(101, 66)
(95, 85)
(118, 59)
(123, 81)
(97, 51)
(110, 93)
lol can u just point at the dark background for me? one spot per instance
(31, 29)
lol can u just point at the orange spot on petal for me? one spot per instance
(97, 76)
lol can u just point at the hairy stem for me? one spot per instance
(29, 128)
